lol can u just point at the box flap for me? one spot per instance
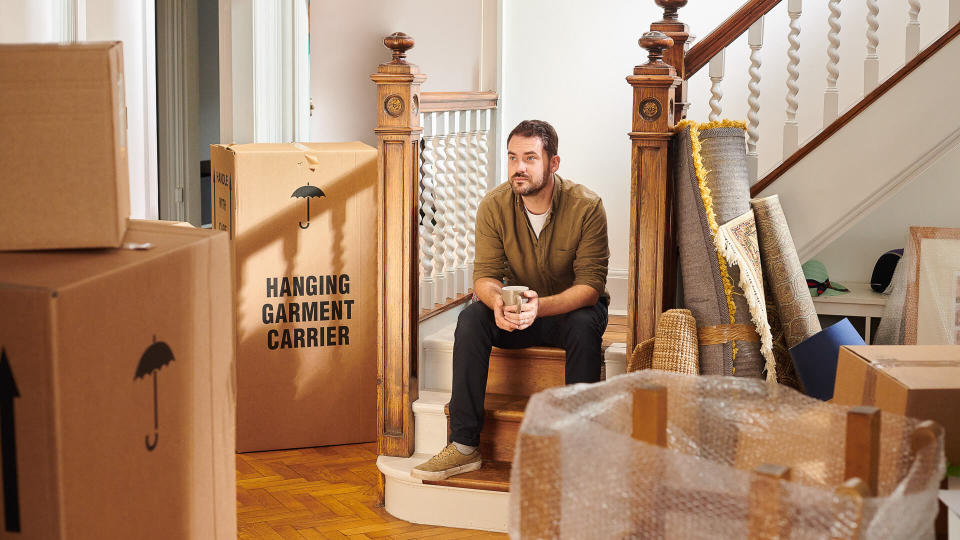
(915, 366)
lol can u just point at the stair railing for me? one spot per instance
(432, 172)
(750, 18)
(660, 99)
(453, 179)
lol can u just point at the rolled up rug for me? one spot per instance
(790, 309)
(673, 347)
(712, 188)
(782, 272)
(816, 358)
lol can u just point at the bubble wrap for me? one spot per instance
(578, 473)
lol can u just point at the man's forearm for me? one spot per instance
(574, 298)
(487, 290)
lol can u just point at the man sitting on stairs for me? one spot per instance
(550, 234)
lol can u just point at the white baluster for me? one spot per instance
(791, 132)
(831, 97)
(453, 223)
(441, 203)
(428, 171)
(484, 127)
(755, 39)
(473, 139)
(463, 201)
(716, 77)
(913, 29)
(871, 64)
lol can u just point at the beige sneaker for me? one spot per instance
(446, 464)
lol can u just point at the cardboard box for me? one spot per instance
(63, 147)
(303, 220)
(919, 381)
(117, 389)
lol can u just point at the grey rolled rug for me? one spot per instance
(712, 188)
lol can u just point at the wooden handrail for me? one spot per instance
(457, 101)
(725, 34)
(867, 100)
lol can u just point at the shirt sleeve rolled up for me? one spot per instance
(593, 252)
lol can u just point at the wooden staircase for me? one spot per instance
(514, 376)
(479, 499)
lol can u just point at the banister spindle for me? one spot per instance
(831, 96)
(442, 199)
(716, 77)
(913, 29)
(453, 222)
(755, 40)
(871, 64)
(462, 185)
(428, 171)
(791, 132)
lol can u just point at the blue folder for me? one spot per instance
(815, 358)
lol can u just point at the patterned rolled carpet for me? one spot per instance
(790, 308)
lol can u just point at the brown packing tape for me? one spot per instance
(870, 379)
(892, 363)
(725, 333)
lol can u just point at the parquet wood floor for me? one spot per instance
(327, 492)
(331, 491)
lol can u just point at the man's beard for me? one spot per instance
(531, 188)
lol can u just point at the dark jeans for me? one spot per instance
(579, 333)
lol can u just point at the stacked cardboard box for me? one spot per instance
(63, 149)
(303, 221)
(919, 381)
(117, 388)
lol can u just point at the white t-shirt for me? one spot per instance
(537, 221)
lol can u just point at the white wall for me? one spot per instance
(347, 45)
(567, 65)
(930, 200)
(103, 20)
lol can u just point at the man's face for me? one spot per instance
(527, 165)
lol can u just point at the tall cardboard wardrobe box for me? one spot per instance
(63, 146)
(117, 389)
(303, 222)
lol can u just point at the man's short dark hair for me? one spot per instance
(540, 129)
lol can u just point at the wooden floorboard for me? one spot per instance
(327, 492)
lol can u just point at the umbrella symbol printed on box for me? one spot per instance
(308, 191)
(157, 355)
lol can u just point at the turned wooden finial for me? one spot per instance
(399, 43)
(670, 8)
(655, 43)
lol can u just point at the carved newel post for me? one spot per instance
(652, 255)
(398, 147)
(679, 32)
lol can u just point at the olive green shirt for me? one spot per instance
(572, 248)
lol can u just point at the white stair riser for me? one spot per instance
(430, 432)
(446, 506)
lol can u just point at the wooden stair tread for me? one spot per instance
(492, 476)
(501, 407)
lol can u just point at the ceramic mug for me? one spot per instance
(513, 295)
